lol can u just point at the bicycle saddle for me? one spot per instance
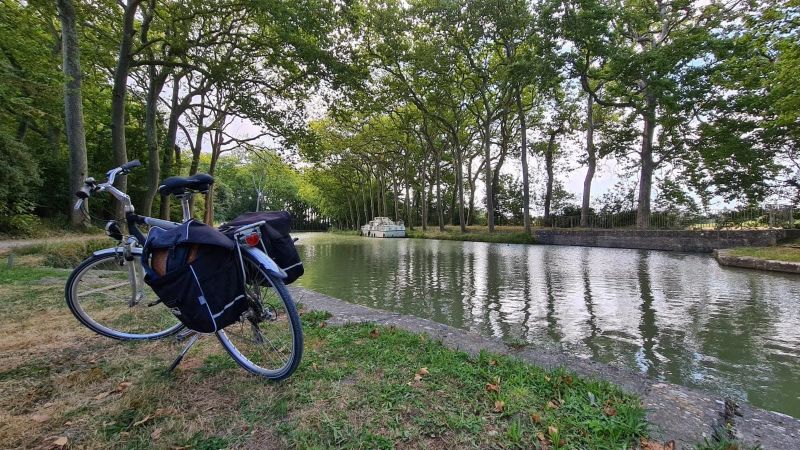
(178, 185)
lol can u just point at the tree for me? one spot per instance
(73, 107)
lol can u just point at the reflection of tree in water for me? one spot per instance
(527, 301)
(553, 329)
(647, 325)
(591, 320)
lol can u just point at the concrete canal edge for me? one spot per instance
(725, 258)
(685, 415)
(703, 241)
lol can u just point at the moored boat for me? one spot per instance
(384, 227)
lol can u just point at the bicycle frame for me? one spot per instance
(138, 238)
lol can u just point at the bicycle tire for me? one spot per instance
(165, 324)
(244, 357)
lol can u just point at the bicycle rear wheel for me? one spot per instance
(268, 338)
(107, 294)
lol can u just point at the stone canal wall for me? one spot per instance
(680, 241)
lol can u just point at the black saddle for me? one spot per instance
(178, 185)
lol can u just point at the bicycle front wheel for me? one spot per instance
(268, 338)
(107, 294)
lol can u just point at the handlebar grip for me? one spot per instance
(84, 192)
(131, 165)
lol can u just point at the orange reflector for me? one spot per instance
(253, 239)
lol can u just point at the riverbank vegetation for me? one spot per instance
(778, 253)
(359, 386)
(438, 113)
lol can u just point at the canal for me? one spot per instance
(673, 316)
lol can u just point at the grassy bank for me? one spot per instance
(504, 237)
(359, 386)
(779, 253)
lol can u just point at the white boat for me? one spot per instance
(384, 227)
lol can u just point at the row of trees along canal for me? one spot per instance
(425, 101)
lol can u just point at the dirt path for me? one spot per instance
(18, 243)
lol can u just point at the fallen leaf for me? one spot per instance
(423, 371)
(143, 421)
(160, 412)
(536, 418)
(610, 411)
(61, 441)
(499, 406)
(552, 431)
(122, 386)
(492, 362)
(546, 378)
(417, 377)
(102, 395)
(654, 445)
(323, 324)
(48, 404)
(552, 404)
(568, 379)
(155, 434)
(541, 437)
(39, 418)
(491, 387)
(314, 366)
(374, 333)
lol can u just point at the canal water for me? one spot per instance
(673, 316)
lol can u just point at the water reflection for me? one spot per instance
(678, 317)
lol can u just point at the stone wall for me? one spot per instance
(726, 259)
(680, 241)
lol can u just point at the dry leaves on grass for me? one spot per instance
(536, 418)
(60, 442)
(653, 445)
(499, 406)
(40, 418)
(494, 386)
(374, 333)
(121, 387)
(421, 373)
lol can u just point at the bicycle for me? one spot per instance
(107, 293)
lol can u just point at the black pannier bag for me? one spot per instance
(275, 236)
(194, 271)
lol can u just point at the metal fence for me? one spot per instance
(745, 219)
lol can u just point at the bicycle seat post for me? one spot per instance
(186, 198)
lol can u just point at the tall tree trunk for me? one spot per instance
(151, 136)
(119, 93)
(526, 195)
(548, 165)
(646, 174)
(73, 108)
(423, 197)
(592, 163)
(216, 151)
(439, 210)
(462, 221)
(504, 140)
(487, 154)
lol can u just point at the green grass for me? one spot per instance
(502, 237)
(356, 388)
(789, 254)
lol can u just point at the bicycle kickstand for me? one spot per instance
(192, 339)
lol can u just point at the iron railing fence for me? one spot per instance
(744, 219)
